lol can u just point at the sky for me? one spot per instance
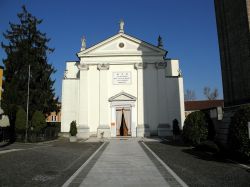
(188, 29)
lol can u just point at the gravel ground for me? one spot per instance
(48, 164)
(199, 168)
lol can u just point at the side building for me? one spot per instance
(233, 25)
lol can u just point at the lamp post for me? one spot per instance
(27, 111)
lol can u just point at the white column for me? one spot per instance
(104, 127)
(83, 128)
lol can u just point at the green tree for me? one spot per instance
(38, 122)
(20, 123)
(27, 46)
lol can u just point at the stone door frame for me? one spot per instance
(123, 100)
(119, 105)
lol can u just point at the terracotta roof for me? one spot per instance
(201, 105)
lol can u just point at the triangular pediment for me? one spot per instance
(122, 96)
(122, 44)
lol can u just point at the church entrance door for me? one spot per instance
(123, 122)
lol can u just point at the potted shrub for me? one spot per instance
(176, 129)
(73, 132)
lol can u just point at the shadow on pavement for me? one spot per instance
(208, 156)
(199, 154)
(176, 143)
(5, 144)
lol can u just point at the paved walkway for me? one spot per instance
(123, 162)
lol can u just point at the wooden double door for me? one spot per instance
(123, 122)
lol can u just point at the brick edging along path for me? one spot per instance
(124, 162)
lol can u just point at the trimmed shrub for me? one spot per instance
(73, 129)
(176, 128)
(38, 122)
(195, 128)
(20, 123)
(238, 138)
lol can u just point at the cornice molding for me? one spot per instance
(160, 65)
(83, 67)
(140, 66)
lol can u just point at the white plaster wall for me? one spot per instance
(70, 101)
(128, 88)
(150, 92)
(175, 100)
(182, 105)
(172, 67)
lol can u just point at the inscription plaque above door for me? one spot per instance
(121, 78)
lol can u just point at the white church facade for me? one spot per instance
(122, 86)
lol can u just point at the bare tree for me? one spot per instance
(189, 95)
(211, 95)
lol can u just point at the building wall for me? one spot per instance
(70, 103)
(234, 42)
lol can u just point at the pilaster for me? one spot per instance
(142, 128)
(103, 129)
(83, 128)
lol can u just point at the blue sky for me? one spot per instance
(188, 29)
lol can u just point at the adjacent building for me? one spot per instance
(122, 86)
(213, 107)
(54, 116)
(233, 24)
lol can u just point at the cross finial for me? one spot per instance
(121, 26)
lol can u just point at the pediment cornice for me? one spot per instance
(122, 96)
(135, 47)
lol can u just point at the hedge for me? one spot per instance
(238, 138)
